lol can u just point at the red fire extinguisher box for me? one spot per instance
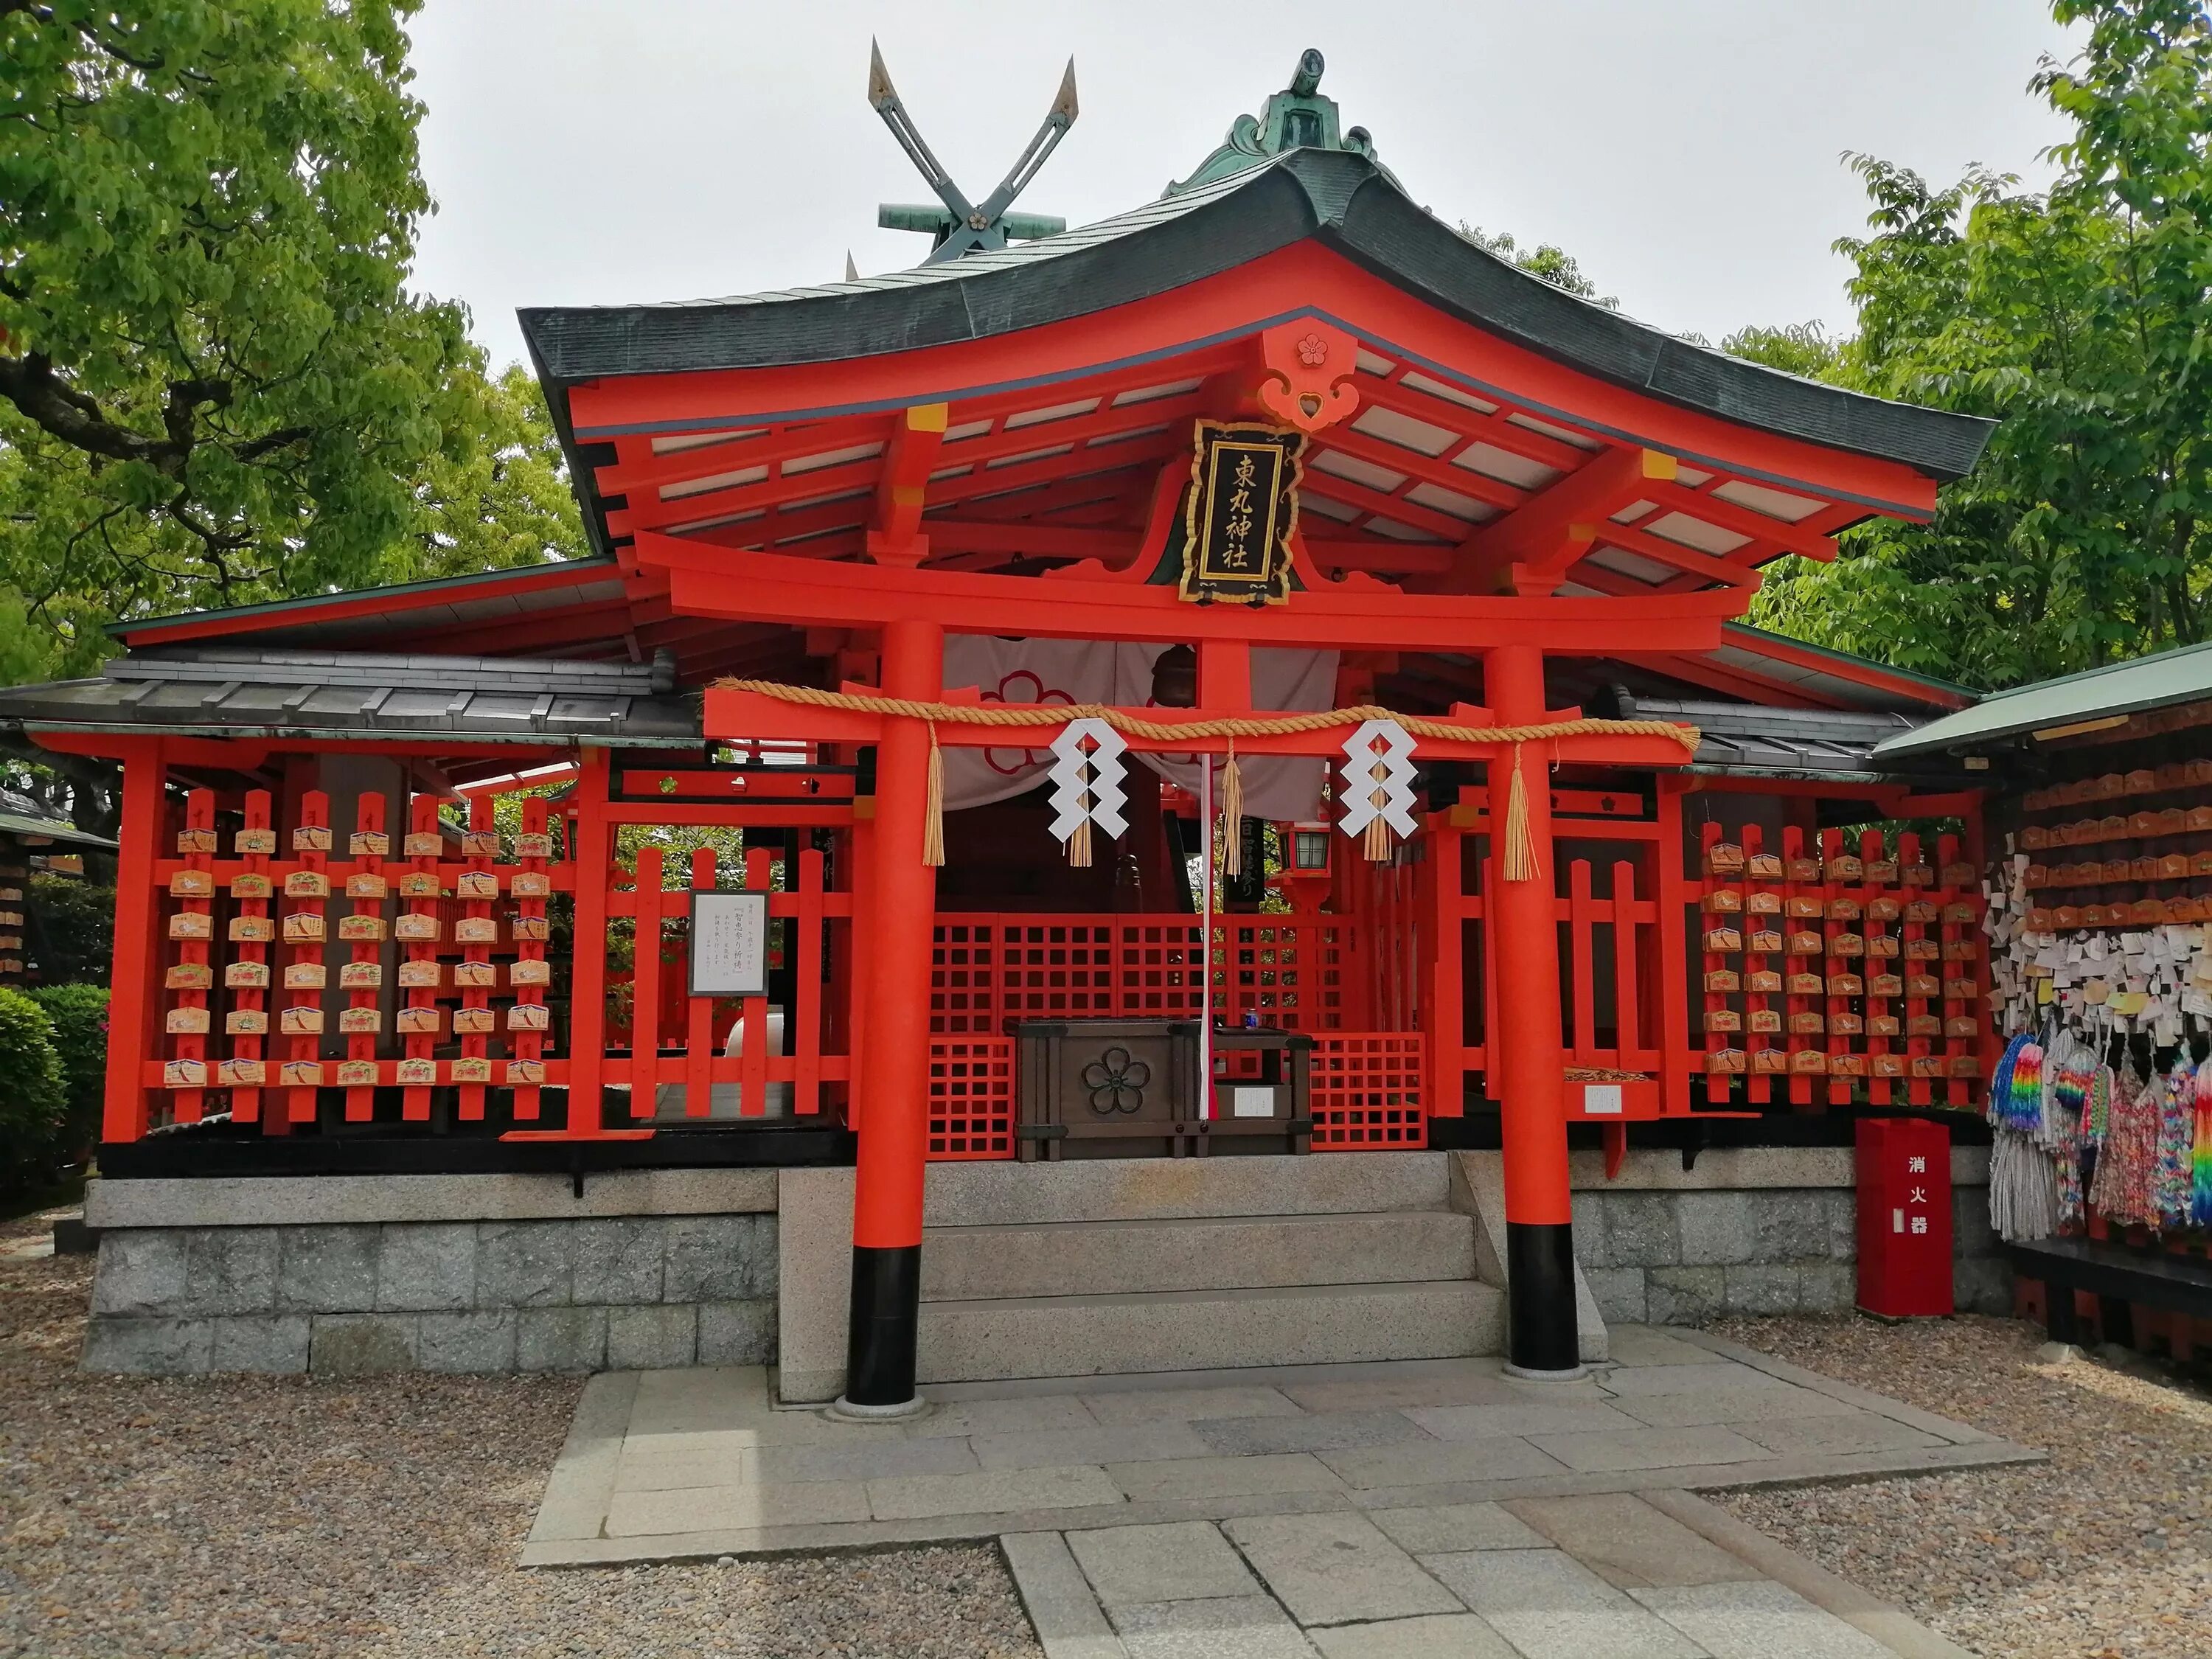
(1904, 1216)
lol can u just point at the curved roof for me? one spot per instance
(1341, 200)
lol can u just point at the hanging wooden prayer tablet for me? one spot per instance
(1726, 1061)
(1766, 942)
(1883, 1025)
(357, 1074)
(364, 885)
(1763, 867)
(482, 930)
(255, 843)
(305, 976)
(356, 1020)
(415, 927)
(1764, 1019)
(359, 975)
(527, 846)
(1721, 981)
(299, 1022)
(301, 1073)
(250, 885)
(480, 843)
(531, 884)
(1880, 872)
(193, 883)
(1806, 985)
(1724, 940)
(1804, 870)
(1724, 900)
(303, 927)
(361, 929)
(1886, 1065)
(471, 1069)
(245, 1022)
(525, 1073)
(1763, 981)
(1884, 985)
(1806, 943)
(523, 1016)
(1768, 1062)
(1845, 1024)
(241, 1074)
(467, 975)
(475, 884)
(470, 1021)
(1806, 906)
(417, 1073)
(186, 924)
(246, 975)
(1723, 857)
(368, 844)
(414, 975)
(417, 1021)
(1846, 866)
(188, 976)
(1846, 985)
(190, 842)
(1808, 1062)
(185, 1074)
(185, 1022)
(1723, 1019)
(1763, 904)
(307, 884)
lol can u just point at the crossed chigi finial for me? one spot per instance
(962, 227)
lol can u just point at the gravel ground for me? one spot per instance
(2105, 1550)
(376, 1519)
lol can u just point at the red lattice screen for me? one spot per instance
(1367, 1091)
(1292, 970)
(972, 1098)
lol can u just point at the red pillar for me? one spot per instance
(1526, 1045)
(133, 998)
(593, 858)
(895, 1119)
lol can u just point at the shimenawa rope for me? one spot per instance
(1520, 849)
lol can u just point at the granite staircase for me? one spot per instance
(1104, 1267)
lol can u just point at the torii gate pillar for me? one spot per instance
(1541, 1335)
(887, 1188)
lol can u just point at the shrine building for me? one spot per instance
(1254, 691)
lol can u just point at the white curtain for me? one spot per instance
(1280, 789)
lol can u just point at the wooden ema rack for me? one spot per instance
(1845, 968)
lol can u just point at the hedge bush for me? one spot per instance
(79, 1014)
(34, 1100)
(76, 925)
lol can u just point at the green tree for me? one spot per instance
(214, 383)
(2082, 320)
(1554, 264)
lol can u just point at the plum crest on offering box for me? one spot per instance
(1244, 505)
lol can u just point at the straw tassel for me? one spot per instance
(932, 821)
(1078, 846)
(1232, 816)
(1520, 846)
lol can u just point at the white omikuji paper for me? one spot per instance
(1281, 789)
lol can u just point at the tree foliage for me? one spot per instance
(1554, 264)
(2081, 319)
(214, 385)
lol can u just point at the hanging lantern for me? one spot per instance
(1377, 767)
(1086, 786)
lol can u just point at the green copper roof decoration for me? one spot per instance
(1297, 118)
(961, 226)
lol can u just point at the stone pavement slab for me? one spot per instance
(1062, 1608)
(1224, 1477)
(1757, 1621)
(1650, 1448)
(1549, 1606)
(1235, 1627)
(671, 1463)
(1454, 1526)
(1322, 1431)
(1181, 1562)
(1447, 1635)
(1336, 1569)
(1628, 1543)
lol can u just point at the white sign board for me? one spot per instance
(1247, 1101)
(1601, 1099)
(729, 944)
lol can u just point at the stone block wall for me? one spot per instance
(583, 1293)
(1682, 1255)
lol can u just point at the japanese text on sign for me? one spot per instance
(1243, 510)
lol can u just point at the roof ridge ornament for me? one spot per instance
(1297, 118)
(961, 226)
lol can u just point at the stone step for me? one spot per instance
(1207, 1330)
(1170, 1189)
(1097, 1258)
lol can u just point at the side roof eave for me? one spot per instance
(1340, 199)
(2159, 681)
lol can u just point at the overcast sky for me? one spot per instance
(605, 151)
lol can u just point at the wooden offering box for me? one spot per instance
(1128, 1088)
(1105, 1088)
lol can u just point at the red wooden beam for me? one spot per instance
(1356, 614)
(916, 439)
(784, 442)
(1419, 468)
(1706, 566)
(1495, 428)
(1533, 547)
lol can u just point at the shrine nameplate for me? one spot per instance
(729, 944)
(1244, 506)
